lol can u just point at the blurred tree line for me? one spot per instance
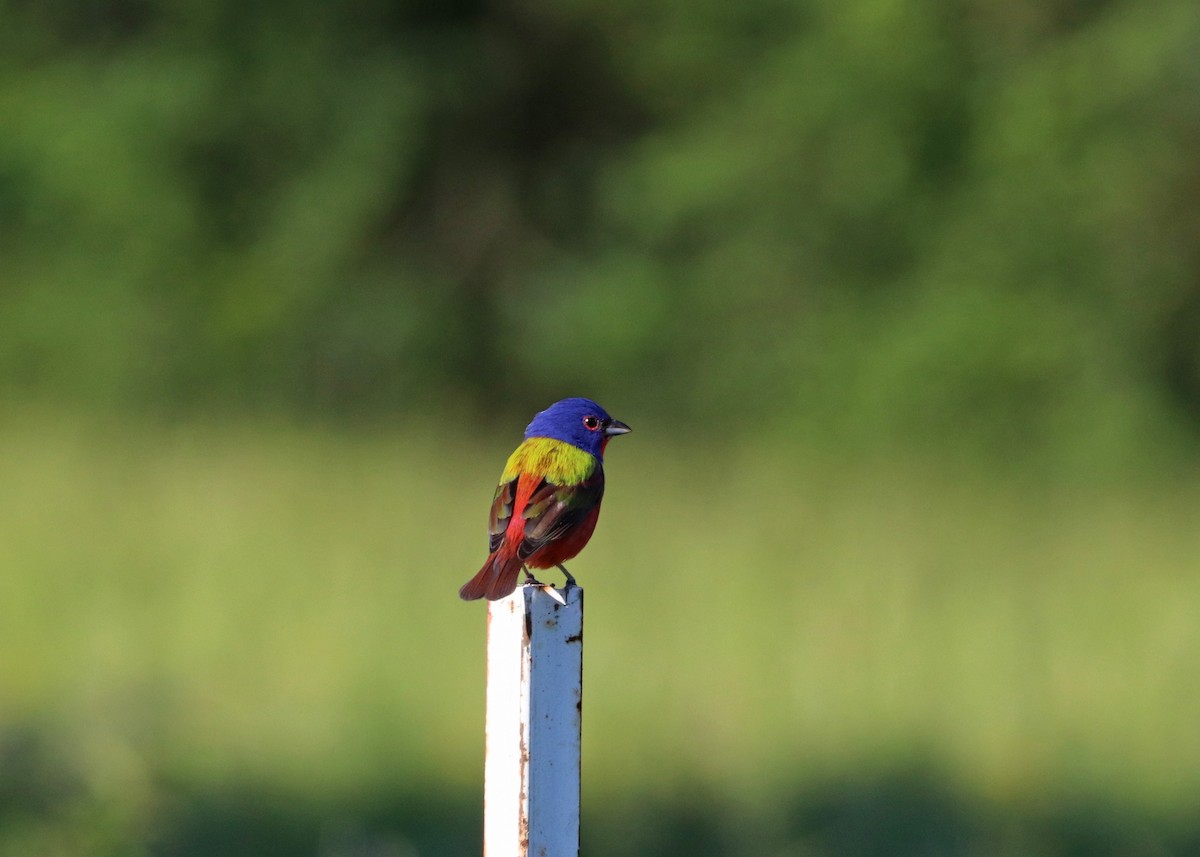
(853, 219)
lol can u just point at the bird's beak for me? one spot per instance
(616, 427)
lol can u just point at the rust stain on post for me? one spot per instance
(523, 821)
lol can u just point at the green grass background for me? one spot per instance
(244, 638)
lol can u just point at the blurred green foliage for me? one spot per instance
(852, 222)
(280, 283)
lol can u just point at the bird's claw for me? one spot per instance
(570, 578)
(530, 579)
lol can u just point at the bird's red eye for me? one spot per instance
(591, 423)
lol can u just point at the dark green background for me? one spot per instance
(963, 223)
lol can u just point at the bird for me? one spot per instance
(548, 500)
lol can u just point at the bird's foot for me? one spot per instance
(570, 578)
(530, 579)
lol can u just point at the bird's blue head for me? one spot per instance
(579, 422)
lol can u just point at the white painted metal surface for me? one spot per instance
(534, 702)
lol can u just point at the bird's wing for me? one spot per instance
(501, 513)
(548, 511)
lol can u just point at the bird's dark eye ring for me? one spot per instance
(591, 423)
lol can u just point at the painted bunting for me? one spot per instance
(548, 500)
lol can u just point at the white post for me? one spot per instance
(534, 702)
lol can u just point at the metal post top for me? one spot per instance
(532, 592)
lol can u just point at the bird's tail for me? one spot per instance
(497, 579)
